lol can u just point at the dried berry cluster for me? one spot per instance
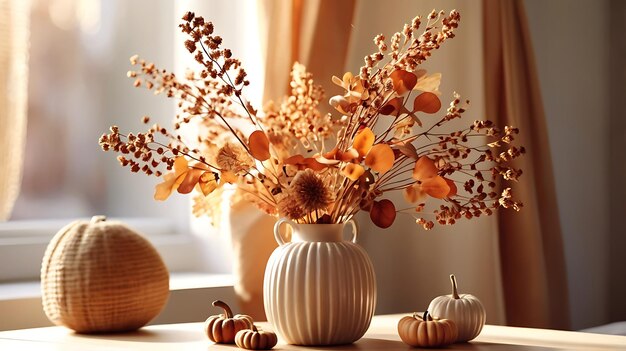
(297, 121)
(138, 152)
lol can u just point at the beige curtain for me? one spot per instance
(531, 247)
(315, 33)
(14, 18)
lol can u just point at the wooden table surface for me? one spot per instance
(382, 335)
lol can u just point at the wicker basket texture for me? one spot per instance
(101, 276)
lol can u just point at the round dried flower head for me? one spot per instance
(309, 191)
(289, 207)
(233, 158)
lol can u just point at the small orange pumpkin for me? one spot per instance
(426, 331)
(222, 328)
(256, 339)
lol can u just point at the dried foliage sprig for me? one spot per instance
(293, 161)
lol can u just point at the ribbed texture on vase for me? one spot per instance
(320, 293)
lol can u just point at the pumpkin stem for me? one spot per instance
(98, 219)
(227, 311)
(254, 329)
(427, 317)
(455, 293)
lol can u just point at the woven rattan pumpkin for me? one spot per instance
(101, 276)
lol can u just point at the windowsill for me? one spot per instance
(191, 295)
(178, 281)
(19, 291)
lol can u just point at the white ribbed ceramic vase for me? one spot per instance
(319, 289)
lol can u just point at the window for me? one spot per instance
(78, 59)
(79, 51)
(77, 87)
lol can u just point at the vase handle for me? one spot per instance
(279, 238)
(354, 230)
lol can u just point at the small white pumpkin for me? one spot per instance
(465, 310)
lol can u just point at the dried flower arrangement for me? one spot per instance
(291, 160)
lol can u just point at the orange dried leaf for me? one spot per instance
(387, 110)
(403, 81)
(334, 156)
(452, 187)
(436, 187)
(393, 107)
(207, 183)
(164, 190)
(380, 158)
(348, 155)
(340, 104)
(408, 150)
(363, 141)
(326, 161)
(413, 193)
(180, 165)
(259, 145)
(228, 177)
(353, 171)
(309, 162)
(424, 168)
(331, 154)
(189, 181)
(294, 160)
(426, 102)
(337, 81)
(383, 213)
(313, 164)
(172, 180)
(347, 77)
